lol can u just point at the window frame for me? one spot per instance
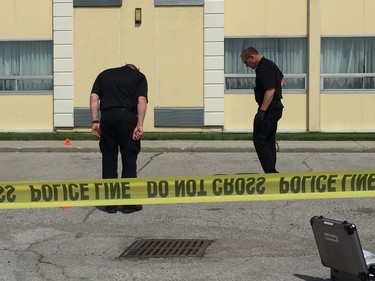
(171, 3)
(252, 75)
(345, 75)
(97, 3)
(17, 78)
(362, 75)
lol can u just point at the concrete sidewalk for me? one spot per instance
(191, 146)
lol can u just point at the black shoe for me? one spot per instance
(127, 209)
(110, 209)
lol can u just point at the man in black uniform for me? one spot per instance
(268, 94)
(121, 95)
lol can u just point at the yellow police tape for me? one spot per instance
(187, 189)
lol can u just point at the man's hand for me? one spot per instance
(141, 110)
(94, 108)
(260, 115)
(137, 133)
(95, 129)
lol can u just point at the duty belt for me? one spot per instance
(119, 109)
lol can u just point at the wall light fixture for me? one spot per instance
(138, 16)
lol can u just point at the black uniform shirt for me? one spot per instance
(120, 87)
(268, 76)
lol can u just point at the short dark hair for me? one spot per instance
(249, 51)
(132, 66)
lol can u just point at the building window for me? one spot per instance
(348, 63)
(26, 66)
(97, 3)
(178, 2)
(290, 54)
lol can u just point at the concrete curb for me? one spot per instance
(192, 146)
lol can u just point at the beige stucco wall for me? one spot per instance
(348, 112)
(313, 71)
(26, 20)
(252, 18)
(240, 110)
(268, 18)
(294, 117)
(180, 57)
(96, 47)
(26, 113)
(347, 17)
(167, 47)
(311, 111)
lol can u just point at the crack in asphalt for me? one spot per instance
(40, 259)
(149, 161)
(304, 162)
(88, 215)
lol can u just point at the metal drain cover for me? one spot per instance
(164, 248)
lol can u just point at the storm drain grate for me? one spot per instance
(164, 248)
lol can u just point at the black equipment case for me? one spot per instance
(340, 249)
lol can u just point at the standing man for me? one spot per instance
(121, 95)
(268, 94)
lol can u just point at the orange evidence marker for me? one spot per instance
(67, 142)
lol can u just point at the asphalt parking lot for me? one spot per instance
(263, 240)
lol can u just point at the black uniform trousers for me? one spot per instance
(117, 128)
(264, 136)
